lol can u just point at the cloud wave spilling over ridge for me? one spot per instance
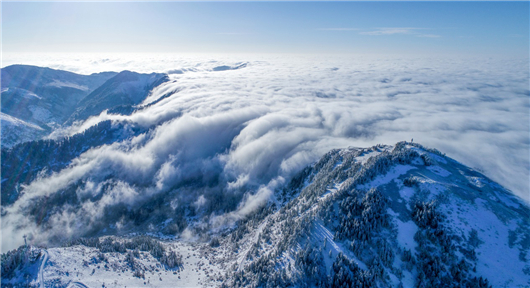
(242, 133)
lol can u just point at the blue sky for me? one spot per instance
(430, 28)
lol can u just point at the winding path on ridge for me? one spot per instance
(41, 269)
(41, 272)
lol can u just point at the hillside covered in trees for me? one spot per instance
(385, 216)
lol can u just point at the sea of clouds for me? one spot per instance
(242, 125)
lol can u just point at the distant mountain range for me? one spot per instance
(36, 100)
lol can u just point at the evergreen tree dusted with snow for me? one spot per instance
(171, 259)
(363, 251)
(359, 217)
(437, 260)
(356, 218)
(132, 247)
(346, 273)
(310, 263)
(16, 259)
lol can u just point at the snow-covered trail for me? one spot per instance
(41, 275)
(76, 285)
(41, 270)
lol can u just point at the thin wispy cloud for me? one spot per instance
(399, 31)
(233, 33)
(338, 29)
(428, 36)
(390, 31)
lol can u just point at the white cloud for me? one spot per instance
(338, 29)
(243, 133)
(400, 31)
(233, 33)
(390, 31)
(428, 35)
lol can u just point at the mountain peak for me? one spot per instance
(382, 216)
(43, 97)
(124, 89)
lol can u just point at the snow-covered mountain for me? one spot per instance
(226, 173)
(15, 130)
(37, 100)
(27, 161)
(43, 97)
(121, 91)
(389, 216)
(385, 216)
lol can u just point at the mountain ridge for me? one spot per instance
(49, 98)
(124, 89)
(399, 216)
(223, 178)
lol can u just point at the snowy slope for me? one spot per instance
(385, 216)
(77, 264)
(123, 90)
(16, 130)
(405, 216)
(47, 98)
(42, 96)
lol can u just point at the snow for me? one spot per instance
(508, 201)
(25, 93)
(321, 233)
(406, 231)
(477, 181)
(73, 265)
(394, 172)
(408, 280)
(15, 130)
(496, 259)
(406, 193)
(366, 155)
(437, 158)
(434, 188)
(29, 94)
(439, 171)
(7, 119)
(433, 156)
(41, 269)
(330, 191)
(325, 233)
(76, 285)
(41, 114)
(61, 84)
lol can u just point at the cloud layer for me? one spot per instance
(243, 133)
